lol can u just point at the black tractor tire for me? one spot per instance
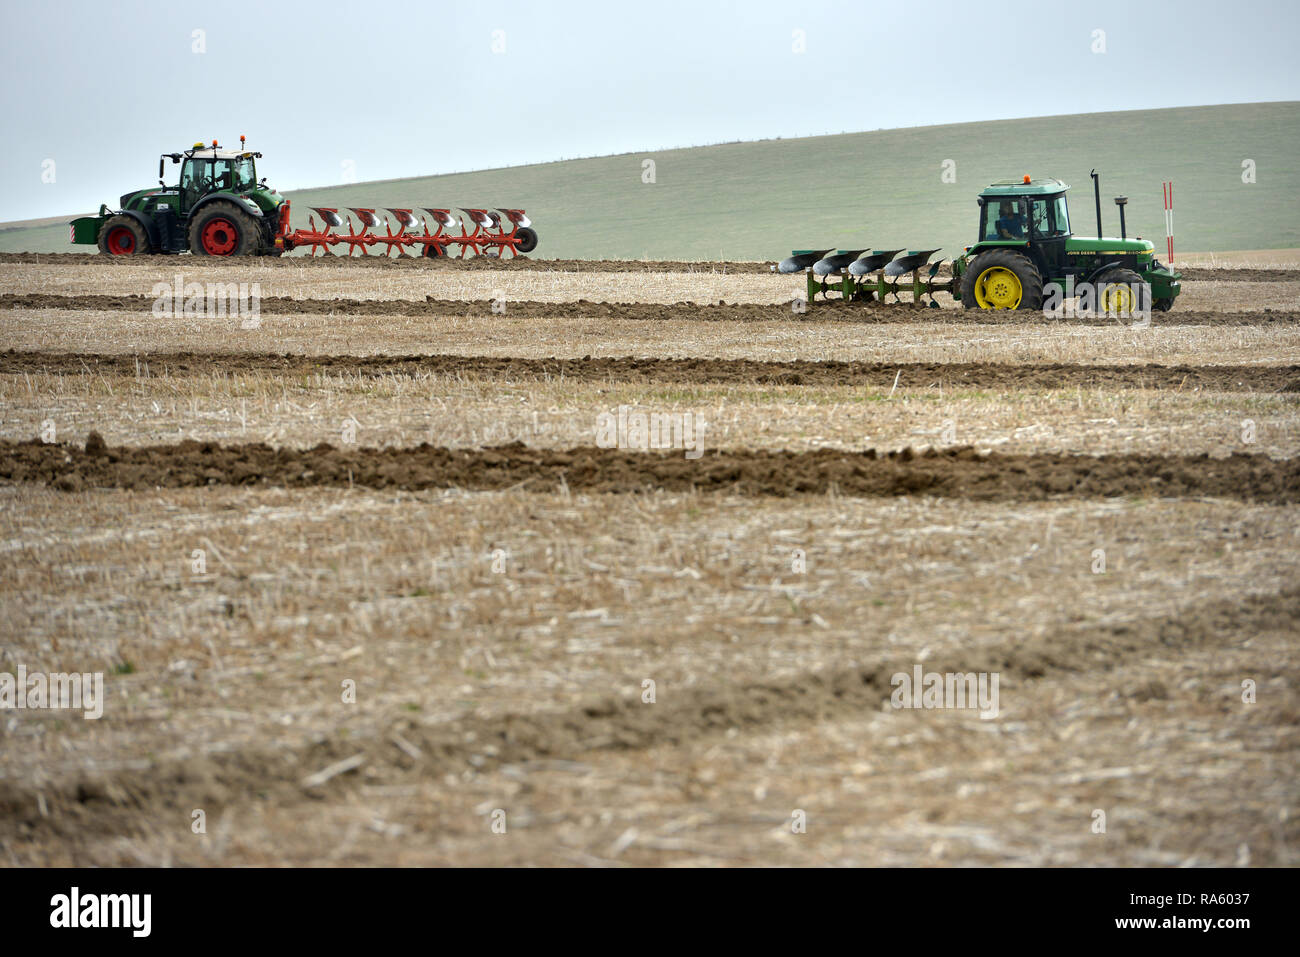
(223, 229)
(1162, 305)
(1117, 274)
(527, 239)
(1031, 282)
(434, 252)
(123, 236)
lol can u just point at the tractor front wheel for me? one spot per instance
(1002, 279)
(223, 229)
(1119, 293)
(123, 236)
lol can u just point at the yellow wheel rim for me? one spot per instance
(1117, 300)
(998, 288)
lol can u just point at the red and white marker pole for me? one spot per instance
(1169, 219)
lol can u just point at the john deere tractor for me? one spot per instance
(1025, 244)
(219, 208)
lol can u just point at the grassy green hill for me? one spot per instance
(882, 188)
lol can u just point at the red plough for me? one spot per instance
(494, 231)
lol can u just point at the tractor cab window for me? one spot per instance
(1004, 219)
(193, 171)
(1049, 216)
(222, 174)
(245, 174)
(1060, 217)
(196, 179)
(203, 174)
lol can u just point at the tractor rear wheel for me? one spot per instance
(223, 229)
(527, 239)
(1002, 279)
(123, 236)
(1118, 292)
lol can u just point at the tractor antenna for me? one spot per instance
(1096, 191)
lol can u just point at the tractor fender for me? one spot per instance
(972, 252)
(1102, 268)
(150, 228)
(247, 205)
(987, 244)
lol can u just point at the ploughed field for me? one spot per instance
(368, 584)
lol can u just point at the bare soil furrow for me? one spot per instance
(957, 473)
(906, 375)
(864, 313)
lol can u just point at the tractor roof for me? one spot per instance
(1019, 187)
(207, 152)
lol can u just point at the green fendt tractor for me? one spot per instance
(1025, 244)
(219, 208)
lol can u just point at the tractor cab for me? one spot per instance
(1017, 209)
(210, 169)
(1028, 213)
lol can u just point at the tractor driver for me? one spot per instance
(1011, 222)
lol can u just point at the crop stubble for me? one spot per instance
(1120, 702)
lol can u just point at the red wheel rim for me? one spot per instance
(121, 241)
(219, 237)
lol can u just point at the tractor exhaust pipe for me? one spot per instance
(1096, 191)
(1120, 201)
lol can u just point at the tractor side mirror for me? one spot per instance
(160, 167)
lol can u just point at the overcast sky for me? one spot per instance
(376, 89)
